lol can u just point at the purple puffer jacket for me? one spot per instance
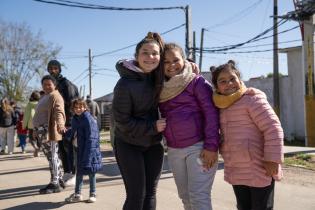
(192, 117)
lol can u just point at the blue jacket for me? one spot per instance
(89, 158)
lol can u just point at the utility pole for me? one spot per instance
(188, 47)
(276, 92)
(90, 73)
(201, 48)
(305, 14)
(194, 47)
(308, 61)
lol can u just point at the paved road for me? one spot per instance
(21, 176)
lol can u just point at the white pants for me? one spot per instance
(7, 138)
(193, 183)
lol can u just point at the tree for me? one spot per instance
(23, 58)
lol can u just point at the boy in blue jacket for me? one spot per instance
(86, 139)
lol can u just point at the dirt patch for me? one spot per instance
(298, 176)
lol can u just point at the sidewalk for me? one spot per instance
(21, 176)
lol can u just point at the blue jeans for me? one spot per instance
(22, 138)
(79, 183)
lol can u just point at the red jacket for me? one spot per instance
(19, 125)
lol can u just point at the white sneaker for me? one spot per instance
(92, 198)
(70, 181)
(74, 198)
(66, 176)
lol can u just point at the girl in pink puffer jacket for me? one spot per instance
(252, 146)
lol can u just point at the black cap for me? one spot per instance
(54, 63)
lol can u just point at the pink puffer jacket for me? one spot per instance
(252, 133)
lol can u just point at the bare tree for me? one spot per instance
(23, 58)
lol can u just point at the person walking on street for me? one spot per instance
(21, 132)
(28, 118)
(92, 107)
(7, 126)
(49, 125)
(68, 92)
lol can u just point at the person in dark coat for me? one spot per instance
(86, 139)
(68, 92)
(137, 140)
(7, 124)
(93, 107)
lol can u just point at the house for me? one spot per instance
(105, 104)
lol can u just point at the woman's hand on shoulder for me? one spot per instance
(160, 124)
(195, 67)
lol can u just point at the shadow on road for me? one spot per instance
(38, 206)
(20, 192)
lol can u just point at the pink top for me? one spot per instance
(252, 133)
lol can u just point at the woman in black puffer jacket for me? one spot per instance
(7, 124)
(138, 147)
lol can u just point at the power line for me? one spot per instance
(108, 75)
(105, 69)
(132, 45)
(241, 14)
(255, 39)
(101, 7)
(85, 70)
(252, 39)
(260, 45)
(235, 52)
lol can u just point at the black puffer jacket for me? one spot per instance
(69, 92)
(134, 111)
(7, 119)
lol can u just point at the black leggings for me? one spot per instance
(66, 153)
(140, 168)
(254, 198)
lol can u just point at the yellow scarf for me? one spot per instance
(222, 101)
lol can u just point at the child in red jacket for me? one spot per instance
(22, 133)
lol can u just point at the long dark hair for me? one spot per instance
(158, 73)
(230, 65)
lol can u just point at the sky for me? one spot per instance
(227, 22)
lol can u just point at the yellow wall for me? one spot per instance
(310, 120)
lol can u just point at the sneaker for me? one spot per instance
(70, 181)
(10, 153)
(2, 152)
(36, 153)
(66, 176)
(50, 188)
(62, 183)
(92, 198)
(74, 198)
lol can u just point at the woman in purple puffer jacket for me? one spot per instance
(192, 129)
